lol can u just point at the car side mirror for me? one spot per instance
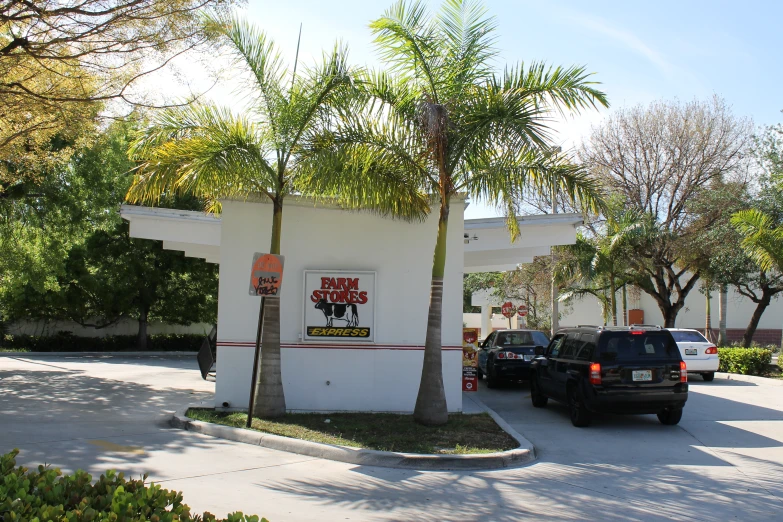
(539, 350)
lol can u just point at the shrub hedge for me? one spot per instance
(64, 342)
(747, 361)
(47, 494)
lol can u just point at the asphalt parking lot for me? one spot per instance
(723, 462)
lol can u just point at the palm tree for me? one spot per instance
(762, 238)
(444, 117)
(211, 152)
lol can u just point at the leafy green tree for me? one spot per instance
(70, 256)
(214, 154)
(444, 122)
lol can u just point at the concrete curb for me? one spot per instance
(524, 454)
(749, 378)
(96, 354)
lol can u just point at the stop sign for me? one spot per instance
(522, 310)
(508, 309)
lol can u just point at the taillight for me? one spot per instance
(595, 373)
(712, 350)
(683, 372)
(637, 332)
(501, 355)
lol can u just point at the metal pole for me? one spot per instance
(255, 363)
(554, 304)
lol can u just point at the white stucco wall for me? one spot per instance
(693, 315)
(383, 376)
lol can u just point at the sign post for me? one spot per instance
(522, 312)
(266, 277)
(469, 359)
(508, 309)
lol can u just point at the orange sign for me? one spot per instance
(266, 275)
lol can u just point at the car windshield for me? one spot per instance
(685, 336)
(626, 345)
(540, 338)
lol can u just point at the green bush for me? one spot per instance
(747, 361)
(47, 494)
(66, 342)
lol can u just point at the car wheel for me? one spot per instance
(580, 416)
(492, 379)
(709, 376)
(670, 417)
(538, 398)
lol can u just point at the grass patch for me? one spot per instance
(462, 434)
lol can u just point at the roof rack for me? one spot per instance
(655, 326)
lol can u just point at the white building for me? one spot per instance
(390, 260)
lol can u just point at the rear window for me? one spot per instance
(688, 337)
(624, 346)
(514, 339)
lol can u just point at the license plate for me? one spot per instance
(529, 357)
(642, 375)
(691, 351)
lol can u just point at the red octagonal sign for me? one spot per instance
(508, 309)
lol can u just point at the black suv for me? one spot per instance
(635, 369)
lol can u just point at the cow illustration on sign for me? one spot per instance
(340, 311)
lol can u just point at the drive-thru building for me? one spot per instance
(354, 297)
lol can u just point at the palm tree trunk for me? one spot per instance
(270, 396)
(722, 302)
(625, 306)
(613, 289)
(431, 408)
(708, 322)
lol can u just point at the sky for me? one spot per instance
(639, 51)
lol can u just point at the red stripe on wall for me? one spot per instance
(338, 346)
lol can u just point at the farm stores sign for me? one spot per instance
(339, 305)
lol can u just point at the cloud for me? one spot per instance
(626, 38)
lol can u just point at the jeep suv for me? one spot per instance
(592, 369)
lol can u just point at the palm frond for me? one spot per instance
(255, 50)
(468, 41)
(406, 40)
(505, 176)
(762, 240)
(564, 88)
(203, 150)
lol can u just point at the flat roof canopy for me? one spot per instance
(487, 245)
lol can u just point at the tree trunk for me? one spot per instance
(431, 408)
(613, 289)
(270, 396)
(708, 321)
(761, 305)
(722, 302)
(625, 306)
(141, 337)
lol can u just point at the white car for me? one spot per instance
(700, 355)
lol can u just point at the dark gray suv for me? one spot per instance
(592, 369)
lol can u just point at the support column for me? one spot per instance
(486, 320)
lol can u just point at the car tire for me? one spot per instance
(492, 379)
(709, 376)
(479, 373)
(539, 399)
(580, 415)
(670, 417)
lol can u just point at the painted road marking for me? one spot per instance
(119, 448)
